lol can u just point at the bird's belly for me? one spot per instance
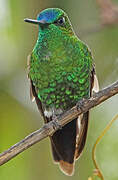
(64, 91)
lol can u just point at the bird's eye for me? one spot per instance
(60, 21)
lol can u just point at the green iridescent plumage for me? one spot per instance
(61, 75)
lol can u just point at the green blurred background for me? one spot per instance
(19, 116)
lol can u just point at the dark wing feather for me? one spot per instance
(81, 133)
(33, 93)
(83, 119)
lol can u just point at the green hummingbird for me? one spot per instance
(61, 73)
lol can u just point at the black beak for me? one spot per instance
(33, 21)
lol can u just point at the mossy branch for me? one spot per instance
(49, 128)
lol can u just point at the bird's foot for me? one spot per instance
(80, 104)
(56, 124)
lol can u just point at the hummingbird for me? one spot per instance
(61, 73)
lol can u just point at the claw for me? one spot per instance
(56, 124)
(80, 104)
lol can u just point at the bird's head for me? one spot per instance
(52, 18)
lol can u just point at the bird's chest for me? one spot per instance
(60, 74)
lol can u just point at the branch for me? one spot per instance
(49, 128)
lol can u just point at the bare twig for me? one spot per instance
(49, 128)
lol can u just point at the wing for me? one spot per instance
(82, 122)
(94, 81)
(33, 93)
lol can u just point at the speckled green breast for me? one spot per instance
(61, 73)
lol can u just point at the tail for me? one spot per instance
(68, 143)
